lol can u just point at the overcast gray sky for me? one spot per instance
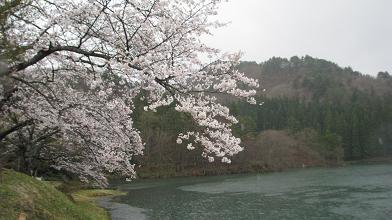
(356, 33)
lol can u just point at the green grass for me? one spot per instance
(41, 200)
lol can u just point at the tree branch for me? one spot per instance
(15, 128)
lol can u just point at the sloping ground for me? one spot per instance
(303, 77)
(278, 150)
(41, 200)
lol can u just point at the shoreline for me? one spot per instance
(375, 160)
(119, 210)
(235, 169)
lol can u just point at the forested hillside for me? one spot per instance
(314, 113)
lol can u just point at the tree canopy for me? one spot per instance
(73, 70)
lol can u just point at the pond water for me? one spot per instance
(352, 192)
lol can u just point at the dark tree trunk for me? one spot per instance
(14, 128)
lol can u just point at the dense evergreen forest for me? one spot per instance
(314, 113)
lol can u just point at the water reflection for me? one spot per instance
(356, 192)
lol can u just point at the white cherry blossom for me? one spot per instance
(87, 61)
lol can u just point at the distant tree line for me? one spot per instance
(362, 124)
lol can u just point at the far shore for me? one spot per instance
(255, 169)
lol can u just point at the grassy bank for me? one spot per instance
(36, 199)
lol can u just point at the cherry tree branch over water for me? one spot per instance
(81, 64)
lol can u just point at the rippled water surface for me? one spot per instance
(354, 192)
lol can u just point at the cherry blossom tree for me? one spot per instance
(80, 64)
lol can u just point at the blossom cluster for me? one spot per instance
(87, 60)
